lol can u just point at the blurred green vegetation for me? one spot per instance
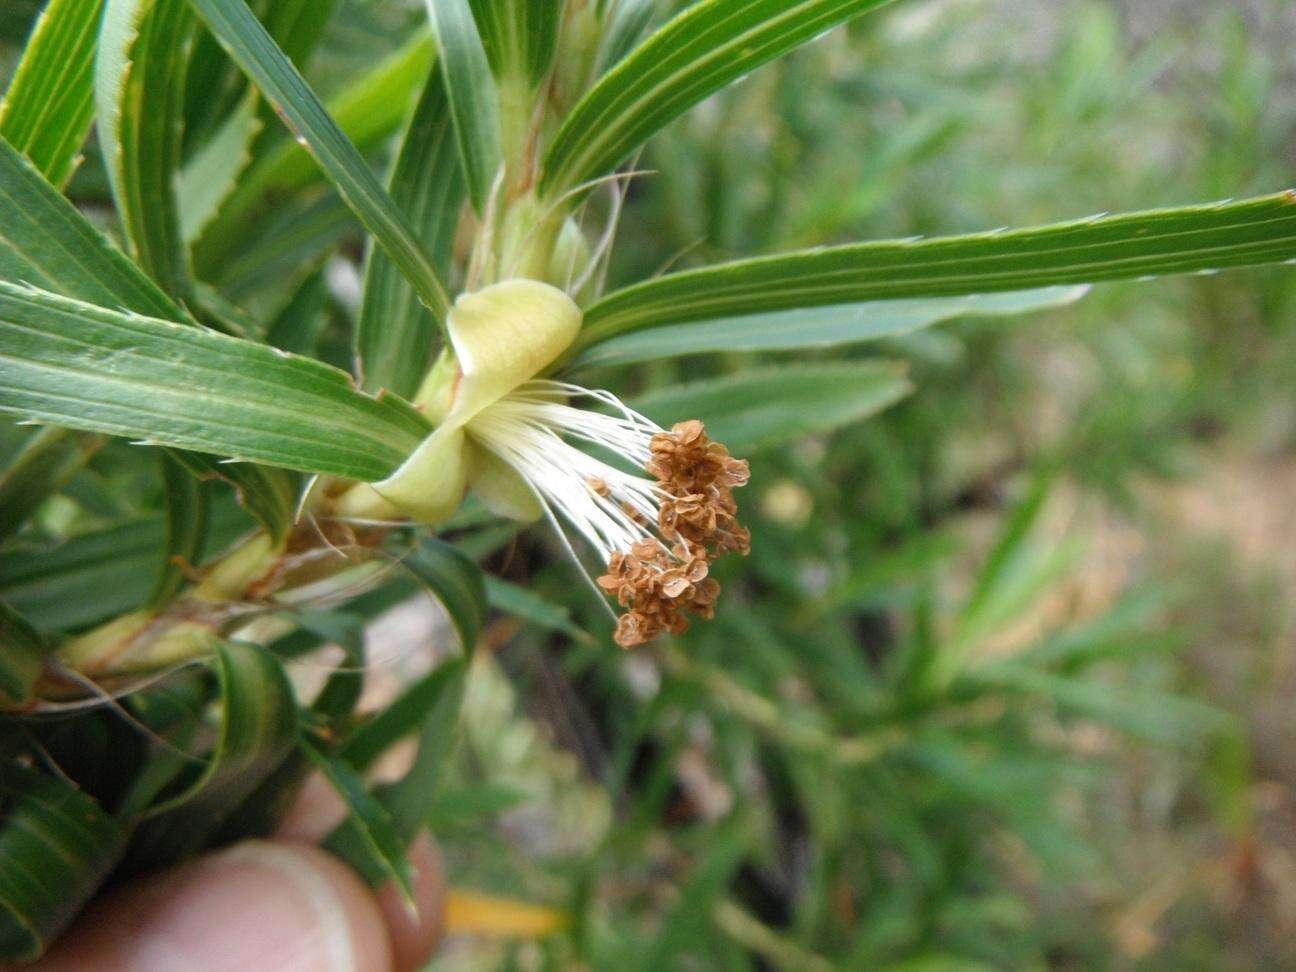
(1005, 682)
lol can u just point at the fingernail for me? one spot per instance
(260, 905)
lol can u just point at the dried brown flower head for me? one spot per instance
(660, 585)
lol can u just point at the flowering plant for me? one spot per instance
(189, 355)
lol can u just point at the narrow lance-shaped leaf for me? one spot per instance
(342, 690)
(818, 327)
(531, 608)
(255, 50)
(298, 327)
(139, 97)
(404, 716)
(473, 94)
(172, 713)
(47, 461)
(268, 494)
(519, 38)
(430, 706)
(101, 573)
(629, 20)
(226, 122)
(1015, 530)
(46, 242)
(297, 26)
(274, 261)
(186, 505)
(258, 728)
(456, 581)
(410, 799)
(709, 45)
(213, 173)
(86, 367)
(216, 86)
(1134, 245)
(57, 846)
(48, 108)
(395, 334)
(762, 407)
(367, 111)
(366, 839)
(22, 655)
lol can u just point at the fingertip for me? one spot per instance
(257, 905)
(415, 935)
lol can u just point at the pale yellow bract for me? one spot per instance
(503, 336)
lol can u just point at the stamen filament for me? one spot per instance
(659, 537)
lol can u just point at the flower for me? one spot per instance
(658, 514)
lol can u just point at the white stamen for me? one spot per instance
(528, 430)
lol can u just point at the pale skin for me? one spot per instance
(279, 905)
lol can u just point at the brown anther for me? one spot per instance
(697, 518)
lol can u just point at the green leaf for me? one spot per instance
(1129, 627)
(22, 655)
(298, 327)
(367, 111)
(46, 242)
(172, 711)
(706, 47)
(257, 731)
(47, 461)
(342, 689)
(456, 581)
(268, 494)
(48, 108)
(87, 367)
(760, 407)
(98, 574)
(1151, 715)
(403, 717)
(273, 263)
(298, 25)
(817, 327)
(283, 86)
(209, 178)
(532, 608)
(1134, 245)
(1009, 545)
(629, 20)
(139, 100)
(473, 95)
(1015, 573)
(410, 799)
(215, 86)
(186, 519)
(395, 334)
(57, 846)
(366, 839)
(474, 804)
(519, 38)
